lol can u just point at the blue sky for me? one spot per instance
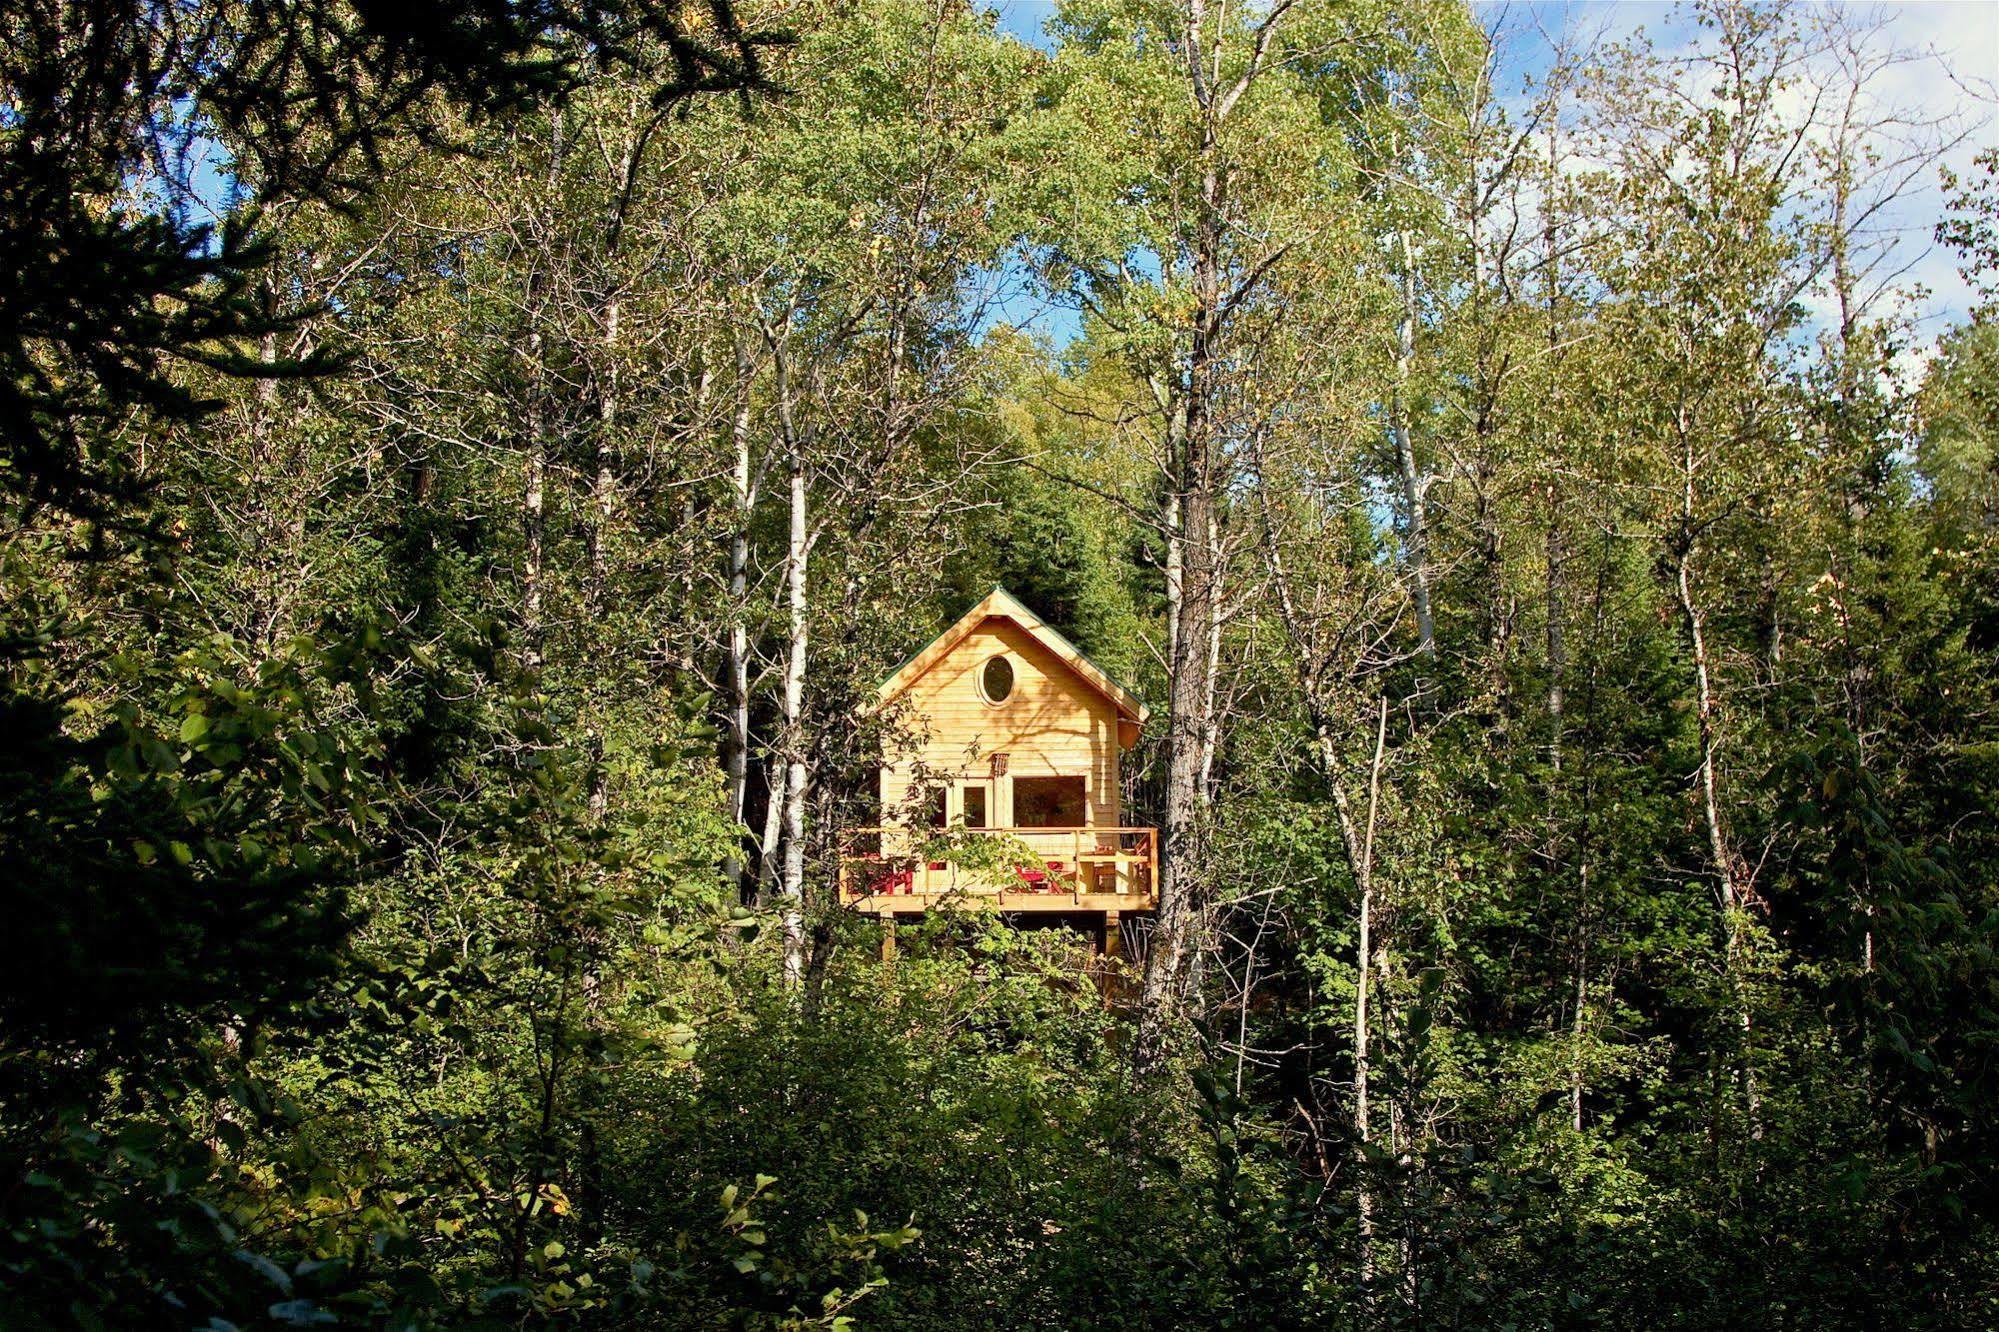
(1023, 18)
(1956, 75)
(1952, 75)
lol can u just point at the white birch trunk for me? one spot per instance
(796, 773)
(736, 757)
(1414, 485)
(1729, 887)
(534, 518)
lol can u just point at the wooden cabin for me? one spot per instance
(1005, 796)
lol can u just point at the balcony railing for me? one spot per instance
(891, 869)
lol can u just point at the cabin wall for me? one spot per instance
(1052, 725)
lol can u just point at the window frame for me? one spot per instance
(984, 792)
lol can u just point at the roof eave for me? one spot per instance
(1001, 604)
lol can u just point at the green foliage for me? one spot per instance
(369, 837)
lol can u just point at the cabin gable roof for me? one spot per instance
(1003, 605)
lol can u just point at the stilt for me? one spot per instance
(888, 938)
(1110, 946)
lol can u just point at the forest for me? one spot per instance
(465, 471)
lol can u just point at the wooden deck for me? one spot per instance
(904, 871)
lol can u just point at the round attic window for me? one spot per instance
(996, 680)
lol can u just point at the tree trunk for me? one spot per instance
(1176, 564)
(1187, 694)
(1211, 722)
(736, 735)
(1729, 887)
(603, 480)
(601, 484)
(1557, 628)
(534, 516)
(1360, 859)
(783, 868)
(1364, 957)
(796, 773)
(1357, 843)
(1415, 486)
(534, 466)
(1195, 484)
(1188, 669)
(1579, 1020)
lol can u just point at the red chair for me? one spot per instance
(893, 881)
(1035, 879)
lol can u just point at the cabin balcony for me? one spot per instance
(906, 871)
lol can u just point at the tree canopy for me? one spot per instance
(467, 470)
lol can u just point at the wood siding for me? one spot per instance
(1054, 724)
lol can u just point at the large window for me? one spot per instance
(1049, 802)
